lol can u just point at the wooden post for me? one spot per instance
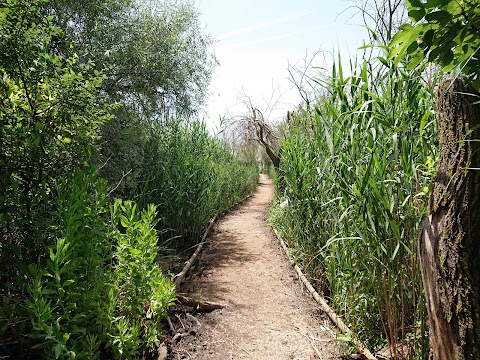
(449, 246)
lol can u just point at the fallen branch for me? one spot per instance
(170, 324)
(179, 277)
(180, 335)
(323, 304)
(199, 304)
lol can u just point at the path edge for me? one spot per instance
(322, 302)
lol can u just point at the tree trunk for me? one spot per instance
(275, 158)
(449, 246)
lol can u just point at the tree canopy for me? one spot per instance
(443, 32)
(154, 54)
(49, 113)
(156, 62)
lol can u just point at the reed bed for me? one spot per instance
(351, 197)
(190, 176)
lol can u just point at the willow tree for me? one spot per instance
(253, 130)
(153, 52)
(157, 64)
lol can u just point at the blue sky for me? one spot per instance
(257, 40)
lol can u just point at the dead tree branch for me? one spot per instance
(179, 277)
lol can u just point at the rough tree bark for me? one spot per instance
(449, 246)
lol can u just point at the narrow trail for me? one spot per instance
(267, 314)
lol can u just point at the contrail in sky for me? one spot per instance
(263, 25)
(288, 34)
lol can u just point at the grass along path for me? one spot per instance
(267, 314)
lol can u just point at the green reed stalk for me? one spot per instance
(356, 170)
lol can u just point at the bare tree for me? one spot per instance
(265, 135)
(384, 17)
(304, 77)
(253, 126)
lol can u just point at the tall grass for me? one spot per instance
(190, 176)
(355, 173)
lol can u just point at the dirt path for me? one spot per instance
(267, 315)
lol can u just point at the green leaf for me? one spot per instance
(428, 38)
(395, 251)
(431, 4)
(49, 291)
(454, 8)
(412, 47)
(440, 16)
(403, 35)
(58, 350)
(37, 140)
(384, 61)
(417, 14)
(68, 282)
(447, 58)
(423, 121)
(402, 41)
(124, 221)
(134, 252)
(415, 60)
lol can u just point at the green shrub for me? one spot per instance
(79, 275)
(98, 287)
(49, 118)
(139, 290)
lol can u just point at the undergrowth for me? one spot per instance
(190, 176)
(79, 267)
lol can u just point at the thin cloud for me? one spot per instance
(287, 35)
(263, 25)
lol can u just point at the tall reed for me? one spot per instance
(190, 176)
(356, 169)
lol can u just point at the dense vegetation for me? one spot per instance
(190, 177)
(105, 172)
(80, 125)
(355, 171)
(356, 166)
(444, 32)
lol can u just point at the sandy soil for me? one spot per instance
(267, 315)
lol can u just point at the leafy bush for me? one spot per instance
(49, 117)
(79, 275)
(355, 173)
(58, 268)
(99, 288)
(139, 290)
